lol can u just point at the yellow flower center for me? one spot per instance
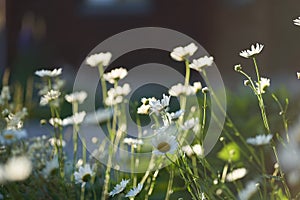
(163, 147)
(9, 136)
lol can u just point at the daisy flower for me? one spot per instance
(156, 106)
(116, 95)
(76, 97)
(119, 187)
(49, 73)
(200, 63)
(260, 140)
(262, 85)
(197, 86)
(134, 191)
(50, 96)
(236, 174)
(11, 136)
(191, 123)
(51, 166)
(175, 115)
(179, 89)
(115, 75)
(164, 143)
(83, 174)
(182, 53)
(77, 118)
(297, 21)
(99, 59)
(253, 51)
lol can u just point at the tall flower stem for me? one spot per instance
(103, 83)
(75, 140)
(170, 184)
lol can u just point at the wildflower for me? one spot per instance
(237, 68)
(205, 90)
(50, 167)
(133, 142)
(297, 21)
(262, 85)
(145, 107)
(116, 95)
(179, 89)
(99, 59)
(260, 140)
(76, 97)
(197, 150)
(11, 136)
(17, 168)
(77, 118)
(175, 115)
(119, 187)
(53, 142)
(157, 106)
(164, 143)
(134, 191)
(191, 123)
(5, 93)
(236, 174)
(298, 75)
(14, 121)
(182, 53)
(115, 75)
(253, 51)
(246, 82)
(200, 63)
(56, 122)
(83, 174)
(197, 86)
(50, 96)
(49, 73)
(99, 116)
(248, 191)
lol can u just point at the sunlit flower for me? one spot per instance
(116, 95)
(115, 75)
(262, 85)
(248, 191)
(49, 73)
(133, 142)
(51, 166)
(83, 175)
(179, 89)
(200, 63)
(197, 86)
(11, 136)
(156, 106)
(253, 51)
(164, 143)
(119, 187)
(99, 59)
(182, 53)
(99, 116)
(50, 96)
(134, 191)
(260, 140)
(236, 174)
(197, 150)
(77, 118)
(17, 168)
(297, 21)
(78, 97)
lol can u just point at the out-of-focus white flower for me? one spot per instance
(5, 93)
(99, 59)
(248, 191)
(164, 143)
(297, 21)
(115, 75)
(200, 63)
(14, 121)
(76, 97)
(143, 109)
(182, 53)
(133, 142)
(134, 191)
(262, 85)
(197, 150)
(179, 89)
(55, 122)
(77, 118)
(49, 73)
(236, 174)
(17, 168)
(11, 136)
(53, 142)
(116, 95)
(197, 86)
(83, 175)
(205, 90)
(175, 115)
(99, 116)
(191, 123)
(50, 167)
(260, 140)
(119, 187)
(253, 51)
(50, 96)
(156, 106)
(298, 75)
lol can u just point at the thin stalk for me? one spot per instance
(103, 83)
(170, 184)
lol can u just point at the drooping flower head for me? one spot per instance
(183, 53)
(119, 187)
(248, 53)
(134, 191)
(83, 175)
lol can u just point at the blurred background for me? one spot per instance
(51, 33)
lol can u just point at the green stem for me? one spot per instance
(170, 184)
(103, 83)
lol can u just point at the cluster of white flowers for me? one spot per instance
(78, 97)
(49, 73)
(99, 59)
(192, 123)
(145, 107)
(115, 75)
(116, 95)
(183, 53)
(50, 96)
